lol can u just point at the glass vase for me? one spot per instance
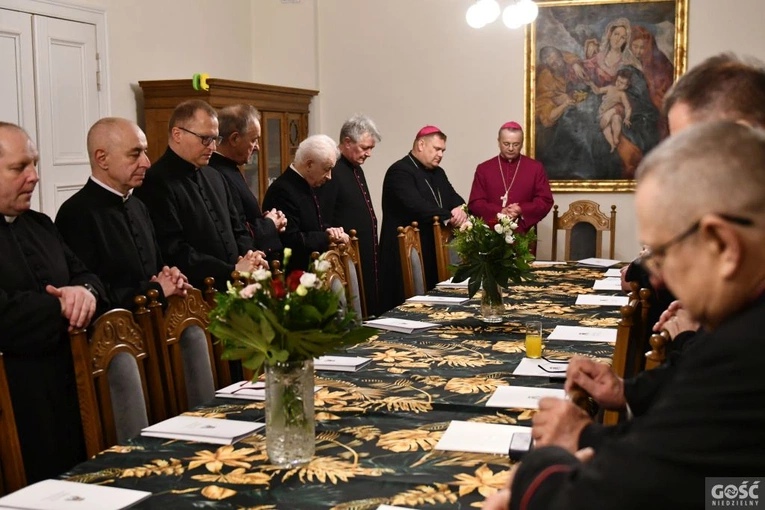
(492, 305)
(290, 423)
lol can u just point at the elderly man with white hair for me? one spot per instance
(294, 194)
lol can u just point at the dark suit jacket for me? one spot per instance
(35, 343)
(262, 229)
(345, 200)
(306, 231)
(407, 198)
(198, 228)
(115, 239)
(709, 421)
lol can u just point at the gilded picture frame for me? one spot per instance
(596, 72)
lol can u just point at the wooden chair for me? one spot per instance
(442, 236)
(579, 214)
(657, 355)
(337, 278)
(111, 373)
(352, 262)
(630, 337)
(412, 266)
(187, 356)
(12, 475)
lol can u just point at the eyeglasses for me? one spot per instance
(206, 140)
(652, 258)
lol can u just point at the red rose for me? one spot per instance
(492, 222)
(278, 289)
(293, 280)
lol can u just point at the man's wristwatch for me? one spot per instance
(92, 290)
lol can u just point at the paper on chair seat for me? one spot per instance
(466, 436)
(522, 397)
(203, 430)
(583, 334)
(63, 495)
(541, 368)
(613, 273)
(400, 325)
(596, 299)
(592, 261)
(608, 284)
(438, 300)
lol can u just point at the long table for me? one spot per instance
(376, 428)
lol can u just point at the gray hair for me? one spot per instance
(12, 127)
(355, 127)
(727, 180)
(237, 118)
(317, 148)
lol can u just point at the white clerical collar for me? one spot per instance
(10, 219)
(112, 190)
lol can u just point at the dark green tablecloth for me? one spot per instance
(376, 428)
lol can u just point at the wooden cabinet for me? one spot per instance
(284, 120)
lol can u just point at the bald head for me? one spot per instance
(690, 182)
(18, 170)
(7, 127)
(117, 151)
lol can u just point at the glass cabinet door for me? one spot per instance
(273, 129)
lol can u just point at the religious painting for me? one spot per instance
(596, 74)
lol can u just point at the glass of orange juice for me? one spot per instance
(533, 339)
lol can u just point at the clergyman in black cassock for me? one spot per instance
(197, 226)
(306, 231)
(35, 343)
(115, 238)
(263, 230)
(412, 192)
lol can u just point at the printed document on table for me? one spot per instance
(608, 284)
(583, 334)
(63, 495)
(597, 262)
(448, 284)
(203, 430)
(437, 300)
(466, 436)
(340, 363)
(388, 507)
(613, 273)
(596, 299)
(400, 325)
(522, 397)
(247, 390)
(541, 368)
(548, 263)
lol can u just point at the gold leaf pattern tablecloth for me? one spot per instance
(376, 429)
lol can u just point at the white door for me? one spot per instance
(67, 105)
(17, 88)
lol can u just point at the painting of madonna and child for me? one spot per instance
(602, 71)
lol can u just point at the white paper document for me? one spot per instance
(400, 325)
(449, 284)
(597, 262)
(438, 300)
(608, 284)
(248, 390)
(522, 397)
(541, 368)
(583, 334)
(203, 430)
(466, 436)
(340, 363)
(613, 273)
(596, 299)
(388, 507)
(63, 495)
(548, 263)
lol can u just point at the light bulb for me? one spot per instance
(510, 16)
(489, 10)
(474, 16)
(527, 11)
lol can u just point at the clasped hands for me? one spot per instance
(251, 261)
(337, 235)
(512, 210)
(78, 304)
(279, 219)
(172, 281)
